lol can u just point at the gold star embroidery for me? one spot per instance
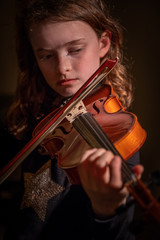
(39, 188)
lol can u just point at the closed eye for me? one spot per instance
(75, 50)
(46, 56)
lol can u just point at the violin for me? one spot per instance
(104, 123)
(120, 132)
(103, 107)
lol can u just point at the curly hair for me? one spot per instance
(34, 98)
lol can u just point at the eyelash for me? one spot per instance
(75, 50)
(46, 57)
(70, 51)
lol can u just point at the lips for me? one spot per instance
(66, 81)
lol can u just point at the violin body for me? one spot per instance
(120, 126)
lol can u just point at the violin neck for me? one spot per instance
(94, 135)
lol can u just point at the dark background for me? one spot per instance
(141, 22)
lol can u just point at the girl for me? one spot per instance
(60, 44)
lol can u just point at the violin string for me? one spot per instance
(90, 130)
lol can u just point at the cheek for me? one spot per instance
(90, 66)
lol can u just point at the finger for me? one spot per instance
(84, 168)
(101, 158)
(99, 166)
(115, 173)
(87, 153)
(94, 162)
(138, 170)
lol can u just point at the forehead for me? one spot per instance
(59, 33)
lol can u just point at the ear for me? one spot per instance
(104, 43)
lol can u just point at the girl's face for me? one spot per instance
(67, 53)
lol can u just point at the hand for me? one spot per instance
(100, 175)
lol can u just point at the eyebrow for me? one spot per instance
(73, 42)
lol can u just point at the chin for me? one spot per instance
(68, 93)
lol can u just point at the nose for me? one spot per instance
(63, 64)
